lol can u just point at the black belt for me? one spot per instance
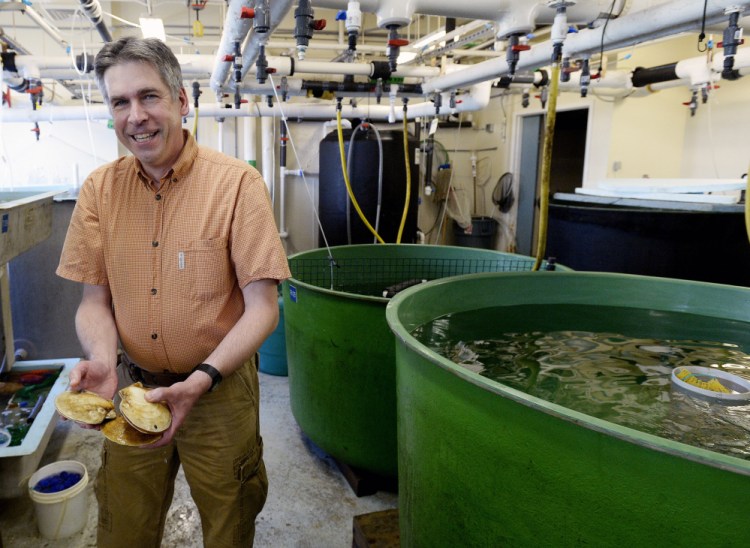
(149, 378)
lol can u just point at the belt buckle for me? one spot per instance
(135, 372)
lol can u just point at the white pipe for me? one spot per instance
(235, 29)
(282, 203)
(278, 10)
(267, 144)
(286, 66)
(660, 21)
(220, 145)
(511, 15)
(46, 27)
(477, 99)
(249, 126)
(193, 66)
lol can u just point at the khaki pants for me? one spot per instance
(220, 449)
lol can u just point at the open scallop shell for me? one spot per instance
(145, 416)
(120, 431)
(84, 407)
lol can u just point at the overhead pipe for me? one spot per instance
(254, 42)
(93, 10)
(511, 16)
(657, 22)
(193, 66)
(287, 66)
(46, 27)
(477, 99)
(236, 29)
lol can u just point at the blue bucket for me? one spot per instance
(273, 351)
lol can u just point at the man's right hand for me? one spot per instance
(94, 376)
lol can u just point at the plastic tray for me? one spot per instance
(740, 387)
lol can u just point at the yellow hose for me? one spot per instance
(195, 122)
(408, 182)
(549, 133)
(346, 179)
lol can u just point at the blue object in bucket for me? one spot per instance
(273, 351)
(57, 482)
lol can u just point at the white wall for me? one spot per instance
(64, 154)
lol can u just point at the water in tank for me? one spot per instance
(365, 177)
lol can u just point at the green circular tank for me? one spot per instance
(340, 351)
(482, 464)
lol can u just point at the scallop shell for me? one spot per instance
(84, 407)
(145, 416)
(120, 431)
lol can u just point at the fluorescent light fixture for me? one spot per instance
(153, 27)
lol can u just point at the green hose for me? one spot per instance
(549, 133)
(408, 181)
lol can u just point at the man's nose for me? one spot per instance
(137, 113)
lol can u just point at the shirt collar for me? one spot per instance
(181, 167)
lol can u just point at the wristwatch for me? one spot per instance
(212, 372)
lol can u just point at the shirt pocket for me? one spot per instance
(204, 269)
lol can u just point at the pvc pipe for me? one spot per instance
(477, 99)
(267, 149)
(278, 10)
(235, 29)
(220, 145)
(511, 15)
(249, 126)
(660, 21)
(46, 27)
(286, 66)
(193, 66)
(93, 10)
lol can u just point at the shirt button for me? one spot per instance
(154, 336)
(174, 180)
(158, 197)
(153, 291)
(155, 244)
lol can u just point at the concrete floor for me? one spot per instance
(310, 504)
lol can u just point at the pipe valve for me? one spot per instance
(196, 93)
(693, 103)
(304, 27)
(732, 38)
(585, 77)
(261, 17)
(559, 29)
(353, 24)
(394, 46)
(515, 47)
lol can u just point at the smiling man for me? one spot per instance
(179, 257)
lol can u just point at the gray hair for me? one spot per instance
(145, 50)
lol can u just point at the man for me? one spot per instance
(179, 256)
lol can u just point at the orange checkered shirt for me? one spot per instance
(175, 259)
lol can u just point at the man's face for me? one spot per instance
(148, 121)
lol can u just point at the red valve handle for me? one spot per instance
(319, 24)
(398, 42)
(520, 47)
(247, 13)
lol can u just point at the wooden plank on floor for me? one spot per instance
(376, 530)
(365, 483)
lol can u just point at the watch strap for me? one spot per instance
(212, 372)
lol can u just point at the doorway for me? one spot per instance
(568, 161)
